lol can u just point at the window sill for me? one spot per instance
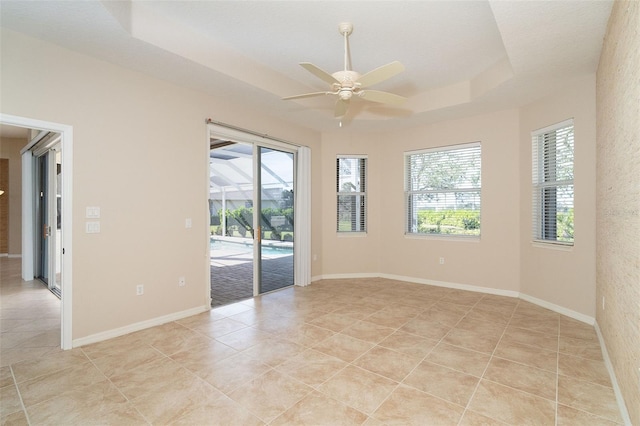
(468, 239)
(552, 246)
(351, 234)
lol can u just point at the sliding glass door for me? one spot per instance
(276, 219)
(251, 203)
(48, 206)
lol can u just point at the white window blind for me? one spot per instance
(442, 190)
(351, 188)
(553, 183)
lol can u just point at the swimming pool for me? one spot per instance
(219, 247)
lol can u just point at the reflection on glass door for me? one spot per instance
(48, 265)
(276, 204)
(42, 209)
(251, 201)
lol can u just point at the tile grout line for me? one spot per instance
(466, 408)
(129, 401)
(401, 382)
(24, 409)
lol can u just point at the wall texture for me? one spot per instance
(618, 199)
(140, 153)
(564, 277)
(10, 150)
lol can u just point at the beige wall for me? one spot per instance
(618, 202)
(10, 149)
(349, 254)
(140, 153)
(564, 277)
(490, 262)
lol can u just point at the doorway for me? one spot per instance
(60, 255)
(251, 231)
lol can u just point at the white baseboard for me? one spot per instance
(4, 254)
(559, 309)
(614, 381)
(468, 287)
(117, 332)
(15, 256)
(348, 276)
(487, 290)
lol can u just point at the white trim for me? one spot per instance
(444, 148)
(121, 331)
(551, 245)
(28, 238)
(365, 156)
(66, 131)
(457, 286)
(612, 375)
(551, 128)
(468, 287)
(559, 309)
(14, 256)
(346, 276)
(4, 254)
(444, 237)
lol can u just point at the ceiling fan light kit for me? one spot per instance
(347, 83)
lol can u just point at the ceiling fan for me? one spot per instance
(348, 83)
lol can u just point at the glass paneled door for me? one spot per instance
(251, 203)
(48, 219)
(276, 207)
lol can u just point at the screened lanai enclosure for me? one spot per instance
(251, 206)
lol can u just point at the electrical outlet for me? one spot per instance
(442, 260)
(182, 282)
(139, 290)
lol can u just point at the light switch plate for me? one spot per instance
(93, 212)
(93, 227)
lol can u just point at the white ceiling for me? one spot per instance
(461, 57)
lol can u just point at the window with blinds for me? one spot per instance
(351, 187)
(553, 184)
(442, 191)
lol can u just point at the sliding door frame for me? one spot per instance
(302, 207)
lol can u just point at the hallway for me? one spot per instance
(29, 316)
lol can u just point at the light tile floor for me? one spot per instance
(339, 352)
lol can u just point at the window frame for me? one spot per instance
(545, 179)
(408, 193)
(360, 197)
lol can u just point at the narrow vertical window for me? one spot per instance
(351, 188)
(553, 183)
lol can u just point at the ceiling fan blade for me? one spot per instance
(382, 97)
(380, 74)
(341, 108)
(307, 95)
(320, 73)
